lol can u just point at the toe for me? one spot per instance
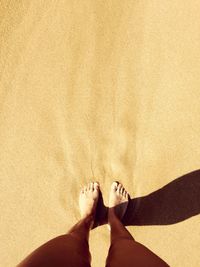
(91, 186)
(82, 191)
(114, 186)
(122, 190)
(119, 188)
(85, 188)
(96, 185)
(88, 186)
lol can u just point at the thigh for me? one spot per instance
(62, 251)
(129, 253)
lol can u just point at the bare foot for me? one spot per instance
(88, 200)
(118, 195)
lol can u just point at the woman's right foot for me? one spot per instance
(118, 201)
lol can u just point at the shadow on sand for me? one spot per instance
(173, 203)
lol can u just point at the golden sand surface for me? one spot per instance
(97, 90)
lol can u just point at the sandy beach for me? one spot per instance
(100, 90)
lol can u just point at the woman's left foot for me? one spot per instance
(88, 200)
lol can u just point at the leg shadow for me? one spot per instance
(173, 203)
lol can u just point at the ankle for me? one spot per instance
(112, 215)
(88, 221)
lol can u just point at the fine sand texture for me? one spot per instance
(100, 90)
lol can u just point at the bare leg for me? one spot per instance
(87, 202)
(124, 250)
(118, 203)
(71, 249)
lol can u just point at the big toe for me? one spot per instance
(96, 186)
(114, 186)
